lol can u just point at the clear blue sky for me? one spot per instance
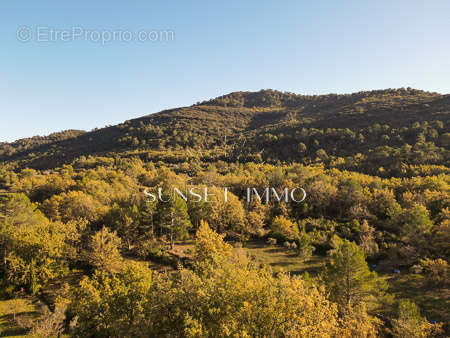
(310, 47)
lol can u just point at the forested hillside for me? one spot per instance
(85, 252)
(385, 132)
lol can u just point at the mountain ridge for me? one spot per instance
(230, 95)
(266, 117)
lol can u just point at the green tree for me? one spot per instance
(126, 221)
(174, 218)
(148, 211)
(305, 247)
(348, 277)
(415, 224)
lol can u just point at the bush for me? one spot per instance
(411, 324)
(416, 269)
(437, 270)
(271, 241)
(6, 291)
(284, 227)
(305, 247)
(51, 325)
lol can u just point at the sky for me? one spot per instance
(87, 64)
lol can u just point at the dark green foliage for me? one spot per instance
(381, 132)
(349, 279)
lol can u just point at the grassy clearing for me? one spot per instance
(154, 266)
(183, 249)
(282, 259)
(277, 257)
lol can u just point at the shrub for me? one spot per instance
(437, 270)
(271, 241)
(411, 324)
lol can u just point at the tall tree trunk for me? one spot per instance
(347, 279)
(171, 231)
(153, 227)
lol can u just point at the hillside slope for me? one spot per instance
(364, 129)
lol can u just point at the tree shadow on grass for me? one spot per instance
(274, 250)
(312, 270)
(14, 330)
(281, 264)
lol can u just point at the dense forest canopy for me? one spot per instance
(383, 132)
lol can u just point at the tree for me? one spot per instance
(103, 251)
(305, 247)
(442, 236)
(302, 148)
(437, 271)
(350, 194)
(238, 299)
(209, 245)
(283, 226)
(199, 210)
(366, 239)
(173, 217)
(126, 221)
(112, 305)
(348, 277)
(148, 211)
(33, 249)
(322, 155)
(356, 322)
(321, 195)
(256, 217)
(415, 225)
(77, 204)
(225, 214)
(51, 324)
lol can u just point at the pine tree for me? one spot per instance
(174, 218)
(148, 210)
(348, 278)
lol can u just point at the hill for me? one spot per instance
(371, 131)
